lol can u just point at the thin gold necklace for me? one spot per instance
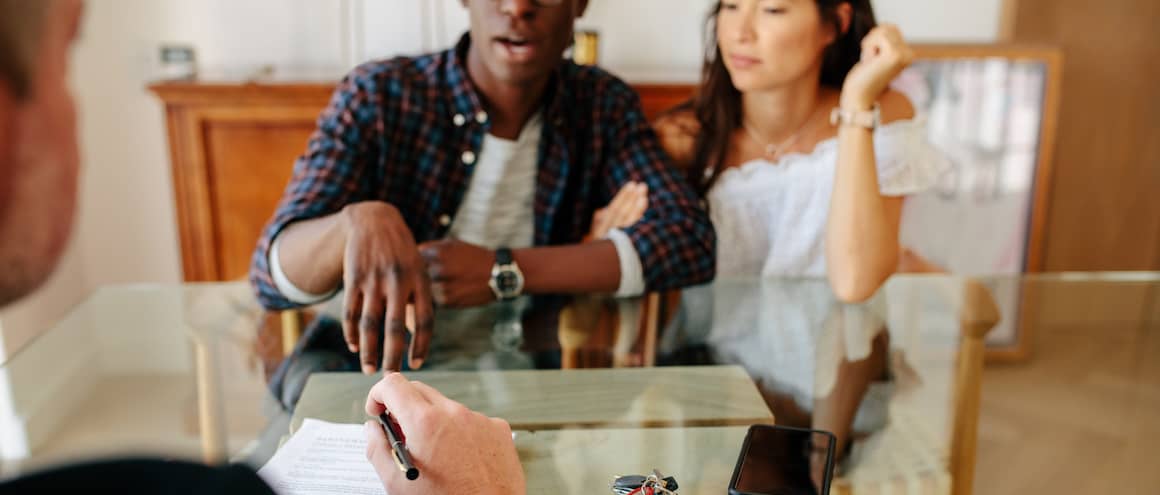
(774, 151)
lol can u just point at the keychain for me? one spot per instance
(636, 484)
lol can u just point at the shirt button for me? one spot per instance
(468, 157)
(444, 220)
(459, 120)
(481, 117)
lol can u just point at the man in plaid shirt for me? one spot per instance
(471, 175)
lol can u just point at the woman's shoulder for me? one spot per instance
(907, 162)
(677, 131)
(895, 106)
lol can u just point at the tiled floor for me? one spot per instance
(1083, 416)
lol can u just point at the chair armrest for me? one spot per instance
(978, 314)
(291, 329)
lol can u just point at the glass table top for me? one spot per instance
(185, 371)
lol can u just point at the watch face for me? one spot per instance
(507, 281)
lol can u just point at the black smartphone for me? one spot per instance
(780, 460)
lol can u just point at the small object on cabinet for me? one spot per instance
(178, 63)
(586, 50)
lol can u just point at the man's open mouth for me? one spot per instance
(517, 47)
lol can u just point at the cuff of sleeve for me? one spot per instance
(286, 287)
(631, 272)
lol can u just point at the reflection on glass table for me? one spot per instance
(138, 369)
(885, 388)
(183, 372)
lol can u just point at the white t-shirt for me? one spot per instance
(497, 211)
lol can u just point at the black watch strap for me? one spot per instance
(503, 256)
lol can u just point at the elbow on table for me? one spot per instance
(854, 290)
(265, 291)
(709, 253)
(856, 285)
(699, 261)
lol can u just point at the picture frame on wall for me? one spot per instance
(992, 110)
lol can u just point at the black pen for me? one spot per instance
(402, 458)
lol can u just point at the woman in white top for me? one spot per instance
(804, 156)
(789, 192)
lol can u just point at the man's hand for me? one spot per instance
(382, 272)
(456, 449)
(459, 272)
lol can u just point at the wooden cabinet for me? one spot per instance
(232, 148)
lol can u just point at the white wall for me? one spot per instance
(649, 39)
(385, 28)
(654, 39)
(247, 33)
(973, 21)
(127, 231)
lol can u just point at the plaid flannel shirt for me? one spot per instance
(407, 130)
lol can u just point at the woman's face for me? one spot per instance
(767, 44)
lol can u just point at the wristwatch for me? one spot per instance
(507, 281)
(869, 119)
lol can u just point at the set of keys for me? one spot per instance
(652, 484)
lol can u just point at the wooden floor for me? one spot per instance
(1083, 416)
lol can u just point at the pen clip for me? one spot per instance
(384, 419)
(397, 458)
(398, 448)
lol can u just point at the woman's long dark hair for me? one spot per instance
(717, 104)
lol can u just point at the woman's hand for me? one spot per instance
(625, 209)
(884, 55)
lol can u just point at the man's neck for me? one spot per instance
(509, 105)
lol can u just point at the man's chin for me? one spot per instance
(521, 75)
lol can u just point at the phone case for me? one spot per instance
(745, 448)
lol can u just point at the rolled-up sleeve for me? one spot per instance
(675, 239)
(331, 174)
(631, 273)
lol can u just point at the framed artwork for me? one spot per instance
(992, 111)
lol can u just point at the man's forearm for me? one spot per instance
(311, 252)
(579, 268)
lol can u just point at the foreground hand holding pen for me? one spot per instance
(398, 448)
(456, 449)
